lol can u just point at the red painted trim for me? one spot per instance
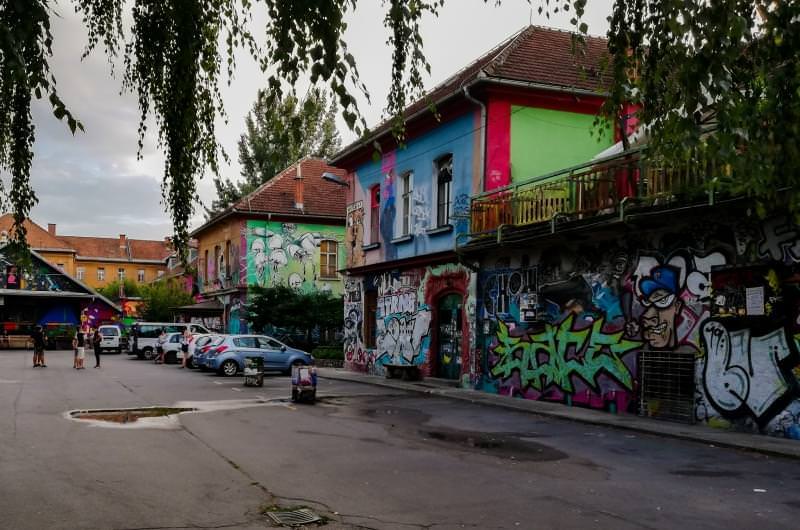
(435, 288)
(544, 99)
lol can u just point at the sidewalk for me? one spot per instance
(769, 445)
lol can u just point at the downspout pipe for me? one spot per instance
(483, 137)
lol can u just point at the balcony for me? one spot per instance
(595, 188)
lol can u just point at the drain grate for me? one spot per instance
(294, 517)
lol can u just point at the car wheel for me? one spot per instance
(229, 368)
(148, 354)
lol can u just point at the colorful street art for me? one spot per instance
(355, 234)
(726, 292)
(289, 254)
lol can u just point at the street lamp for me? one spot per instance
(330, 177)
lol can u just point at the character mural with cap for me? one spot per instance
(660, 295)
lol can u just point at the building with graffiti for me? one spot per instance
(410, 299)
(289, 232)
(34, 292)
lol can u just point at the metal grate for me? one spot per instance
(667, 385)
(294, 517)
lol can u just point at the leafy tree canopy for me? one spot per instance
(159, 299)
(277, 133)
(130, 289)
(731, 64)
(285, 308)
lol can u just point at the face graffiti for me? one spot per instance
(660, 292)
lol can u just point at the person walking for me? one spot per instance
(96, 338)
(186, 338)
(160, 341)
(38, 347)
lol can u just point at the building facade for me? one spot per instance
(409, 295)
(288, 232)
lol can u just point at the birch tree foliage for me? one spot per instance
(687, 65)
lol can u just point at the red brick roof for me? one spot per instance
(321, 198)
(112, 248)
(536, 55)
(37, 236)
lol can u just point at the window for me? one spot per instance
(80, 271)
(159, 274)
(246, 342)
(444, 178)
(228, 259)
(374, 217)
(60, 267)
(406, 191)
(370, 316)
(101, 274)
(267, 343)
(121, 274)
(207, 267)
(140, 275)
(328, 254)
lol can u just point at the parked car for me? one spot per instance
(228, 356)
(204, 344)
(145, 335)
(111, 338)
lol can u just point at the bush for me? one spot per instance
(329, 352)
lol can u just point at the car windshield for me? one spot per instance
(109, 332)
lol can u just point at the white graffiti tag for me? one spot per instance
(402, 336)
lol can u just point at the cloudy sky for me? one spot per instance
(93, 184)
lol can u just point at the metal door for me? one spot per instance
(449, 312)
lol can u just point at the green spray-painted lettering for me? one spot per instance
(542, 358)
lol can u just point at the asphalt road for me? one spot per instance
(364, 457)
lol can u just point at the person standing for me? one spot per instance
(38, 347)
(96, 338)
(80, 349)
(186, 338)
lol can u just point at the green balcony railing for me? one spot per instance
(596, 187)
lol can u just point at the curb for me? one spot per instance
(754, 443)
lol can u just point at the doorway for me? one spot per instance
(449, 312)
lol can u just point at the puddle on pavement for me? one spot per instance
(705, 473)
(127, 415)
(494, 444)
(394, 415)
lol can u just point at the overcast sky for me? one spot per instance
(93, 184)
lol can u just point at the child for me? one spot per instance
(79, 343)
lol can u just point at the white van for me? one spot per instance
(111, 338)
(145, 334)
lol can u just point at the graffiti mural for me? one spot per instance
(746, 374)
(289, 254)
(354, 351)
(556, 355)
(355, 234)
(403, 324)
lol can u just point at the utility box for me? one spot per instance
(304, 384)
(253, 371)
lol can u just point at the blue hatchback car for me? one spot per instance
(227, 357)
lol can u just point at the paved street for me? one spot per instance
(364, 457)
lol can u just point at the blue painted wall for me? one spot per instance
(456, 136)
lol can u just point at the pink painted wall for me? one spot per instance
(498, 144)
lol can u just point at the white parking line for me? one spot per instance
(236, 389)
(217, 383)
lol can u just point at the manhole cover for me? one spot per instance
(294, 517)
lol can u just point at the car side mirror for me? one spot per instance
(283, 348)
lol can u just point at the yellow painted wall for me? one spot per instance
(218, 235)
(131, 271)
(54, 258)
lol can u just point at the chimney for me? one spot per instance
(123, 241)
(298, 187)
(51, 229)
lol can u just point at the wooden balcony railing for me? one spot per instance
(593, 188)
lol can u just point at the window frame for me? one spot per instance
(375, 213)
(101, 274)
(448, 189)
(121, 274)
(328, 270)
(406, 182)
(140, 275)
(80, 272)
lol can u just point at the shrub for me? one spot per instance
(328, 352)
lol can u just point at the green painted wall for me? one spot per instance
(289, 254)
(543, 141)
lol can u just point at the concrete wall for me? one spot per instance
(564, 321)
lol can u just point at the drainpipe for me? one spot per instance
(553, 221)
(500, 233)
(483, 137)
(622, 208)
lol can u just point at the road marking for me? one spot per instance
(217, 383)
(236, 389)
